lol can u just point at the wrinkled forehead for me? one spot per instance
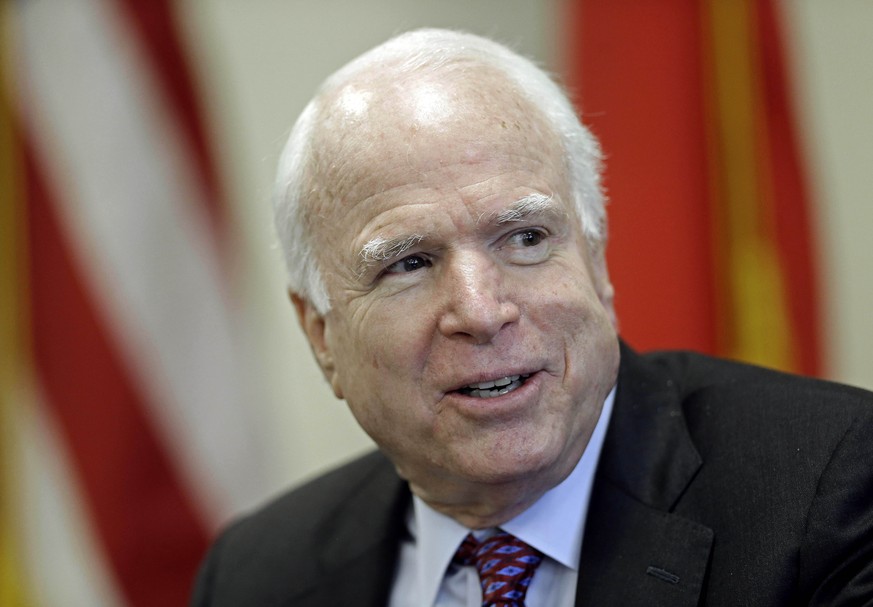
(379, 123)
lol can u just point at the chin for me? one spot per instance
(501, 465)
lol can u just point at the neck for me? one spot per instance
(484, 514)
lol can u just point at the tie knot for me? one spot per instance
(505, 566)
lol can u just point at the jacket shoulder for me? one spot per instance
(320, 498)
(693, 373)
(780, 472)
(332, 520)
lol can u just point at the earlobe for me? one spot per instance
(315, 327)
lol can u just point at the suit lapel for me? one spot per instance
(360, 547)
(635, 550)
(637, 555)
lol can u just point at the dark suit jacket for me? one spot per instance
(718, 484)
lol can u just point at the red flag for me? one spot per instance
(710, 242)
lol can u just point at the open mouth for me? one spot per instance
(497, 387)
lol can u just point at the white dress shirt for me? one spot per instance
(554, 525)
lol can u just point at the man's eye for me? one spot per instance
(528, 246)
(529, 238)
(408, 264)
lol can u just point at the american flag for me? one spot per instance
(125, 441)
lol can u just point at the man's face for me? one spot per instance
(470, 331)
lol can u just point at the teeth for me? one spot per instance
(503, 381)
(498, 387)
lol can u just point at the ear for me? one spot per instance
(315, 327)
(605, 290)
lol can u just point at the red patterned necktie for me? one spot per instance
(505, 564)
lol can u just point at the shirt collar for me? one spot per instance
(554, 525)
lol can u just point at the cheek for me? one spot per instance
(575, 317)
(379, 356)
(394, 337)
(592, 356)
(385, 386)
(567, 298)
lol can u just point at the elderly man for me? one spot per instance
(439, 206)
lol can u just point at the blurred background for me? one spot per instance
(154, 381)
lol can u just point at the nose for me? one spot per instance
(477, 304)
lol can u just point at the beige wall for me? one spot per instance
(262, 61)
(834, 79)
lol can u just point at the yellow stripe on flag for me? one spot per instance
(12, 586)
(754, 319)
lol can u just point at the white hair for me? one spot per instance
(413, 52)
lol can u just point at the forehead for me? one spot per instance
(376, 131)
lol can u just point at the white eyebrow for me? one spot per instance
(523, 208)
(379, 249)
